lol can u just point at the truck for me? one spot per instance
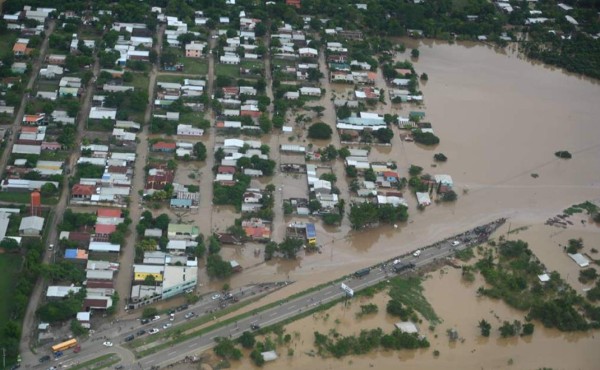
(362, 272)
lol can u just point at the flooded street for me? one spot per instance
(500, 120)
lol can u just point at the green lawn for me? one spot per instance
(9, 265)
(140, 81)
(24, 198)
(6, 44)
(48, 155)
(194, 66)
(98, 125)
(252, 64)
(228, 70)
(191, 117)
(169, 78)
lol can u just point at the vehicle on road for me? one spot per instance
(77, 349)
(156, 318)
(64, 345)
(118, 367)
(167, 325)
(140, 332)
(455, 243)
(417, 253)
(254, 326)
(399, 267)
(44, 359)
(153, 331)
(172, 317)
(362, 272)
(189, 315)
(129, 338)
(58, 354)
(215, 296)
(107, 344)
(50, 247)
(145, 321)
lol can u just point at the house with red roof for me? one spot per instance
(103, 232)
(82, 192)
(390, 176)
(163, 146)
(109, 213)
(229, 170)
(39, 119)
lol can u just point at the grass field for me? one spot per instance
(9, 265)
(169, 78)
(140, 81)
(24, 198)
(6, 44)
(194, 66)
(228, 70)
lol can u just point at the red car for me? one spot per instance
(77, 349)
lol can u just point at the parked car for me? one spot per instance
(50, 247)
(58, 354)
(455, 243)
(153, 331)
(141, 332)
(156, 318)
(129, 338)
(417, 253)
(44, 359)
(107, 344)
(118, 367)
(216, 296)
(254, 326)
(77, 349)
(167, 325)
(145, 321)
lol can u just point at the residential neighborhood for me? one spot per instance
(152, 159)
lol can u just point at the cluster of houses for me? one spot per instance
(91, 249)
(113, 186)
(169, 92)
(164, 274)
(16, 21)
(242, 45)
(134, 42)
(238, 101)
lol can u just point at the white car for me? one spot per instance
(50, 247)
(216, 296)
(107, 344)
(153, 331)
(417, 253)
(156, 318)
(167, 325)
(455, 243)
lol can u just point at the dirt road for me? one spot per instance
(123, 285)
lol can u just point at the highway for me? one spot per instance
(326, 294)
(284, 310)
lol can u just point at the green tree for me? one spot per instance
(48, 189)
(485, 328)
(149, 312)
(217, 268)
(247, 340)
(415, 170)
(200, 151)
(320, 131)
(9, 244)
(414, 53)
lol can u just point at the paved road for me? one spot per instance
(116, 331)
(324, 295)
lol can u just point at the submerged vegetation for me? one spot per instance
(512, 276)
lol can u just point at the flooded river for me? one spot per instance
(500, 119)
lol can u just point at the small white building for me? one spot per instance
(310, 91)
(188, 130)
(229, 59)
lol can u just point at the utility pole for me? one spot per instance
(4, 358)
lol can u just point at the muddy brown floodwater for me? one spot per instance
(500, 119)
